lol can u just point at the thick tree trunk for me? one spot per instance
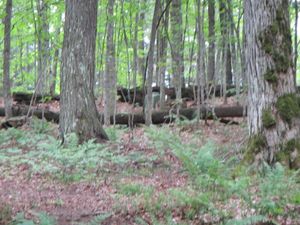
(42, 85)
(274, 107)
(6, 60)
(78, 109)
(110, 67)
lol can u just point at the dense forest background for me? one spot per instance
(37, 35)
(85, 80)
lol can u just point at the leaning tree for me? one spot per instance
(78, 111)
(274, 106)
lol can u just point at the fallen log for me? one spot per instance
(22, 110)
(25, 98)
(126, 95)
(158, 117)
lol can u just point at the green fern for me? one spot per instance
(97, 220)
(248, 220)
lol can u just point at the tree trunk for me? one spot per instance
(225, 32)
(42, 86)
(177, 49)
(274, 106)
(6, 60)
(141, 51)
(296, 40)
(78, 109)
(150, 60)
(200, 57)
(110, 67)
(211, 40)
(55, 63)
(163, 53)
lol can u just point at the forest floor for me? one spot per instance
(180, 173)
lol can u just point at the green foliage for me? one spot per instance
(288, 106)
(99, 219)
(271, 188)
(271, 76)
(255, 145)
(134, 189)
(44, 155)
(295, 198)
(114, 132)
(40, 126)
(213, 182)
(5, 214)
(42, 218)
(268, 119)
(247, 221)
(279, 49)
(210, 183)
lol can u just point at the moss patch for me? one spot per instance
(288, 107)
(268, 118)
(270, 76)
(284, 156)
(256, 144)
(277, 42)
(291, 145)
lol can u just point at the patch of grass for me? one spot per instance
(134, 189)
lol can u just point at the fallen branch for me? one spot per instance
(158, 117)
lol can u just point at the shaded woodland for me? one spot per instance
(194, 103)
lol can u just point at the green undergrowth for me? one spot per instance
(44, 154)
(215, 187)
(40, 218)
(214, 182)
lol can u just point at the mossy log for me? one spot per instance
(25, 98)
(158, 117)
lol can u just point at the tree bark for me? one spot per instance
(211, 40)
(110, 67)
(141, 47)
(150, 60)
(42, 85)
(225, 32)
(296, 40)
(177, 48)
(55, 63)
(6, 60)
(78, 109)
(274, 109)
(162, 64)
(200, 57)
